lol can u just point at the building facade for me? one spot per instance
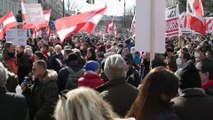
(55, 5)
(12, 5)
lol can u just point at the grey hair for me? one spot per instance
(3, 74)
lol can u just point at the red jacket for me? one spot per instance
(90, 80)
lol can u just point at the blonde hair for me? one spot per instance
(83, 104)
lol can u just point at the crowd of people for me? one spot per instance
(88, 78)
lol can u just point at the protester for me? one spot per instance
(13, 105)
(9, 57)
(153, 101)
(44, 93)
(117, 91)
(192, 102)
(205, 68)
(68, 76)
(84, 104)
(132, 76)
(91, 78)
(80, 59)
(91, 55)
(24, 63)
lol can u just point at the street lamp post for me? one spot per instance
(63, 8)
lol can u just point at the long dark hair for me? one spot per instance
(148, 103)
(92, 50)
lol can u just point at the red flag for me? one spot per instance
(74, 24)
(6, 22)
(109, 26)
(195, 16)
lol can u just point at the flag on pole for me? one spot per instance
(195, 16)
(184, 28)
(133, 24)
(73, 24)
(6, 22)
(109, 26)
(115, 30)
(209, 24)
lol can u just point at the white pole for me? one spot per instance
(152, 30)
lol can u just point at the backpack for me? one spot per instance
(72, 81)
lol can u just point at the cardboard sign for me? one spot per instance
(17, 36)
(34, 13)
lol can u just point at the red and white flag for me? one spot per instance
(73, 24)
(209, 24)
(6, 22)
(195, 15)
(133, 24)
(184, 27)
(115, 30)
(109, 26)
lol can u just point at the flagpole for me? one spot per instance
(152, 30)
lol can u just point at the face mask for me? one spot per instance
(197, 55)
(178, 61)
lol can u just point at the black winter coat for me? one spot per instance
(13, 106)
(120, 94)
(43, 97)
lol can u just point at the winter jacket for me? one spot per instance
(133, 77)
(208, 87)
(10, 60)
(43, 97)
(12, 82)
(13, 105)
(119, 94)
(91, 80)
(24, 66)
(193, 104)
(54, 62)
(64, 73)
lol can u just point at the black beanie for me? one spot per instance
(189, 76)
(72, 57)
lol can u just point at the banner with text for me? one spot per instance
(34, 14)
(16, 36)
(172, 21)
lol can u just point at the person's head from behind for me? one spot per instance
(115, 67)
(205, 68)
(39, 55)
(9, 47)
(39, 68)
(82, 104)
(3, 74)
(28, 51)
(158, 61)
(92, 65)
(189, 76)
(159, 86)
(72, 57)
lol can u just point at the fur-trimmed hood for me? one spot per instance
(51, 75)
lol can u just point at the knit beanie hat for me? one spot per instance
(189, 76)
(72, 57)
(91, 65)
(115, 67)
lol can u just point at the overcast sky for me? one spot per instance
(114, 6)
